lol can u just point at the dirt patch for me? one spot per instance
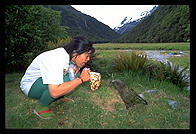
(107, 103)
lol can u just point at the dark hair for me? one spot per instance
(80, 44)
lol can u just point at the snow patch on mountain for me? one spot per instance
(127, 24)
(125, 21)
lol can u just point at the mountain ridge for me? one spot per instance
(78, 23)
(168, 23)
(126, 26)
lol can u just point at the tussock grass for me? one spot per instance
(134, 61)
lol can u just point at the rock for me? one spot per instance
(171, 53)
(173, 104)
(182, 53)
(141, 95)
(151, 91)
(187, 88)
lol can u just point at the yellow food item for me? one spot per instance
(95, 80)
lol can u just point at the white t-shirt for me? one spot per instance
(48, 65)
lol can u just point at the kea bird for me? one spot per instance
(128, 95)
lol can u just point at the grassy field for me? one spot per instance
(144, 46)
(102, 108)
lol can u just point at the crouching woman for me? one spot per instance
(47, 77)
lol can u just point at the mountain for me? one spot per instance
(78, 23)
(168, 23)
(127, 25)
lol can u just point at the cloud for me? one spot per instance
(112, 15)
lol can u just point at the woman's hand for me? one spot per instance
(85, 75)
(57, 90)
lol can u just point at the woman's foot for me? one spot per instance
(43, 112)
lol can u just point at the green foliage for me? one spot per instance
(137, 62)
(169, 72)
(59, 42)
(176, 75)
(168, 23)
(183, 61)
(28, 28)
(155, 70)
(101, 65)
(134, 61)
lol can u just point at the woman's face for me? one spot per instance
(82, 59)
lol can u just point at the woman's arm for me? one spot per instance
(66, 87)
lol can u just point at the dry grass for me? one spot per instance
(107, 103)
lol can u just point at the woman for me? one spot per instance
(47, 77)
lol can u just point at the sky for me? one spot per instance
(112, 15)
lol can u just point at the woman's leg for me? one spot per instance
(40, 91)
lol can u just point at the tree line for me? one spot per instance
(28, 30)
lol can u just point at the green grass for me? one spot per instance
(143, 46)
(102, 108)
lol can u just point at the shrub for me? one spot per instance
(155, 70)
(176, 75)
(137, 62)
(133, 61)
(27, 29)
(59, 42)
(169, 72)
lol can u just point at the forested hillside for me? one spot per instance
(169, 23)
(28, 29)
(79, 23)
